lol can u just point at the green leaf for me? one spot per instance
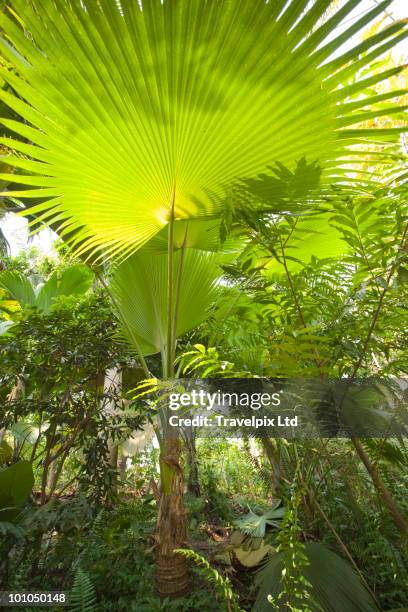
(5, 327)
(255, 525)
(74, 280)
(129, 112)
(311, 237)
(334, 583)
(47, 293)
(83, 597)
(139, 289)
(16, 483)
(24, 432)
(6, 452)
(18, 286)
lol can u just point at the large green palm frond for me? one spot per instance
(130, 111)
(335, 585)
(202, 234)
(139, 288)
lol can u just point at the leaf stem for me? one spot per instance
(178, 295)
(168, 366)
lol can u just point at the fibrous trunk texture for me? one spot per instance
(172, 576)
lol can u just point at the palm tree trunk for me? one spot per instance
(172, 577)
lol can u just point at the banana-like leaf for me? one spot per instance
(18, 286)
(139, 290)
(75, 280)
(335, 585)
(45, 293)
(134, 109)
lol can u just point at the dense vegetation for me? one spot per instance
(226, 208)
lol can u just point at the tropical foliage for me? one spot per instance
(228, 183)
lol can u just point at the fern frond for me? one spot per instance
(83, 598)
(222, 586)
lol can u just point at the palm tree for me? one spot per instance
(160, 293)
(141, 115)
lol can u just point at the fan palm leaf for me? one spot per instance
(133, 111)
(335, 585)
(139, 288)
(254, 524)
